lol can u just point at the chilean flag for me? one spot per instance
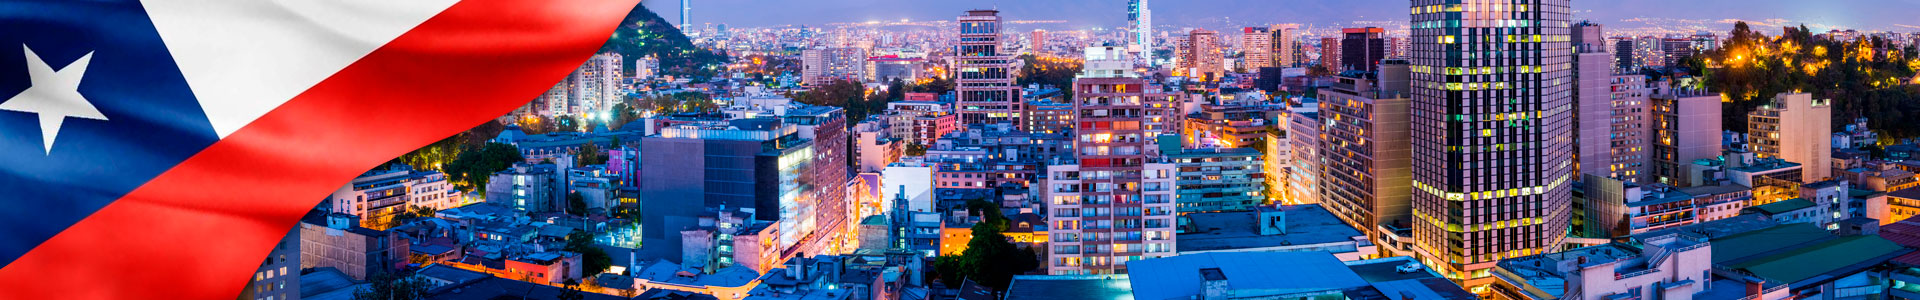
(160, 148)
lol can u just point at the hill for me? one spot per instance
(644, 33)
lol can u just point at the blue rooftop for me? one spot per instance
(1179, 277)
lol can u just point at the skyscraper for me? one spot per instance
(1492, 146)
(1140, 19)
(1330, 54)
(984, 75)
(686, 16)
(1362, 48)
(1285, 50)
(1257, 45)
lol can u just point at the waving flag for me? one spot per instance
(158, 149)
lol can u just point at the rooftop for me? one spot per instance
(1275, 273)
(1305, 225)
(1096, 287)
(1783, 206)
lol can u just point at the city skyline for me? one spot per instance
(1716, 15)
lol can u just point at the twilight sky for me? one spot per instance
(1888, 15)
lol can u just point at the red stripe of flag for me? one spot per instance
(199, 230)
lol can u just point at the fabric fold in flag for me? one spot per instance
(159, 149)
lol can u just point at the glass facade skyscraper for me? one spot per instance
(1492, 135)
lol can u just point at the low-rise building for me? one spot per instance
(1296, 228)
(338, 241)
(1673, 266)
(1219, 179)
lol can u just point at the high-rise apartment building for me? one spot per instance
(983, 76)
(1492, 135)
(1795, 128)
(1113, 201)
(1623, 56)
(1686, 127)
(1330, 54)
(1038, 41)
(819, 67)
(1286, 47)
(1303, 153)
(1397, 47)
(1368, 162)
(1362, 48)
(1611, 114)
(1140, 35)
(1256, 45)
(597, 84)
(1202, 59)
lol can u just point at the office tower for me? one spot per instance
(1796, 128)
(1330, 54)
(1039, 40)
(1140, 39)
(597, 85)
(984, 75)
(754, 164)
(1362, 48)
(1686, 127)
(1492, 146)
(1256, 45)
(1203, 59)
(686, 16)
(1368, 162)
(1623, 56)
(1286, 49)
(819, 67)
(1113, 202)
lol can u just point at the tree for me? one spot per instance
(392, 286)
(915, 149)
(571, 290)
(990, 259)
(593, 260)
(590, 154)
(576, 204)
(1057, 72)
(475, 164)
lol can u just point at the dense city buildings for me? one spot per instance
(1492, 146)
(1795, 127)
(1361, 49)
(819, 67)
(983, 75)
(1365, 147)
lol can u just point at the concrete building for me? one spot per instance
(378, 195)
(1330, 54)
(1295, 228)
(1140, 30)
(1797, 128)
(338, 241)
(1223, 179)
(983, 75)
(529, 188)
(1361, 49)
(1304, 155)
(1611, 114)
(1492, 147)
(1256, 45)
(1203, 60)
(1673, 266)
(279, 275)
(1113, 202)
(1686, 128)
(1365, 150)
(819, 67)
